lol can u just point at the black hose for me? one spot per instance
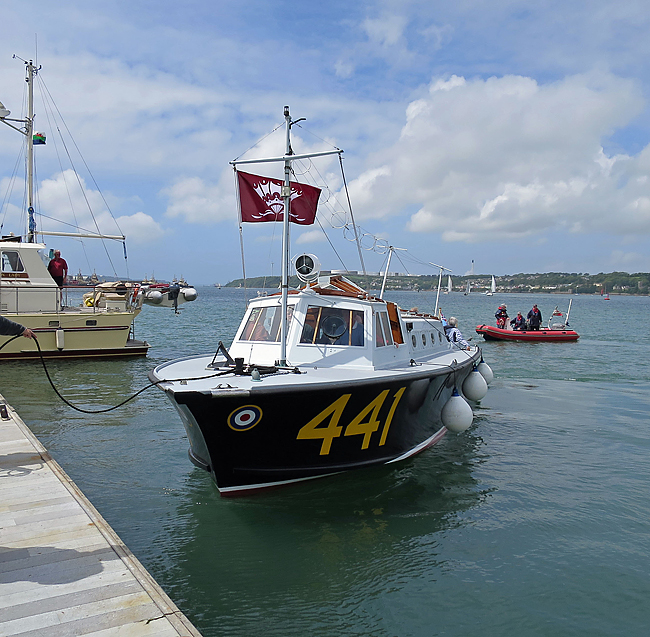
(102, 411)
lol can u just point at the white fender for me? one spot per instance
(154, 297)
(474, 386)
(456, 414)
(189, 294)
(486, 371)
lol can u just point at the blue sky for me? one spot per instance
(513, 134)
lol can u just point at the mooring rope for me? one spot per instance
(102, 411)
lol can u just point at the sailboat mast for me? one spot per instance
(29, 129)
(286, 195)
(383, 283)
(438, 293)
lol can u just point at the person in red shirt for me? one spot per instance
(58, 269)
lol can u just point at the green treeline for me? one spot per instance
(549, 282)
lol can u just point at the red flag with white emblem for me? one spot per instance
(260, 199)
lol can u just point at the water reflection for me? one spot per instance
(316, 546)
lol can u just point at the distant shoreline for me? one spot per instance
(612, 283)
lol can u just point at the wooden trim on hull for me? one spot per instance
(132, 348)
(491, 333)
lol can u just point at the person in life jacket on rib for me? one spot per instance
(519, 322)
(501, 316)
(534, 318)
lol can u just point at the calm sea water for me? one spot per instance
(534, 522)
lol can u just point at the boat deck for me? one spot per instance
(310, 376)
(63, 570)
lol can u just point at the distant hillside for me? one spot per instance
(549, 282)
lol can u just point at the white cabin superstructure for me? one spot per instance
(387, 337)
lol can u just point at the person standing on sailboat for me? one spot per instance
(58, 268)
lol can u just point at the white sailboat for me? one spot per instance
(449, 285)
(468, 289)
(493, 288)
(101, 326)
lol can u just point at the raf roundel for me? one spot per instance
(244, 418)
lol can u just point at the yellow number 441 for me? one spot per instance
(357, 427)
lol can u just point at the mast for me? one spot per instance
(383, 283)
(442, 269)
(287, 158)
(286, 195)
(29, 128)
(391, 249)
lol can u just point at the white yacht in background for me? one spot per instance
(102, 326)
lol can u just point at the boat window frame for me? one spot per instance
(313, 316)
(385, 323)
(5, 259)
(260, 316)
(380, 339)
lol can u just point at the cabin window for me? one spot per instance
(331, 326)
(433, 338)
(91, 322)
(264, 323)
(386, 325)
(380, 341)
(424, 340)
(11, 262)
(414, 341)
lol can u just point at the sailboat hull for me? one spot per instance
(76, 334)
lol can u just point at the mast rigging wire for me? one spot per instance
(46, 91)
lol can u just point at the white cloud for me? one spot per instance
(507, 157)
(385, 31)
(199, 202)
(344, 68)
(629, 261)
(439, 35)
(66, 198)
(311, 236)
(70, 205)
(140, 228)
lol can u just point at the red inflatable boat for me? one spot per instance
(491, 333)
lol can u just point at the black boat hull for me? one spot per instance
(260, 439)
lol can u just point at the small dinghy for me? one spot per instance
(558, 330)
(492, 333)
